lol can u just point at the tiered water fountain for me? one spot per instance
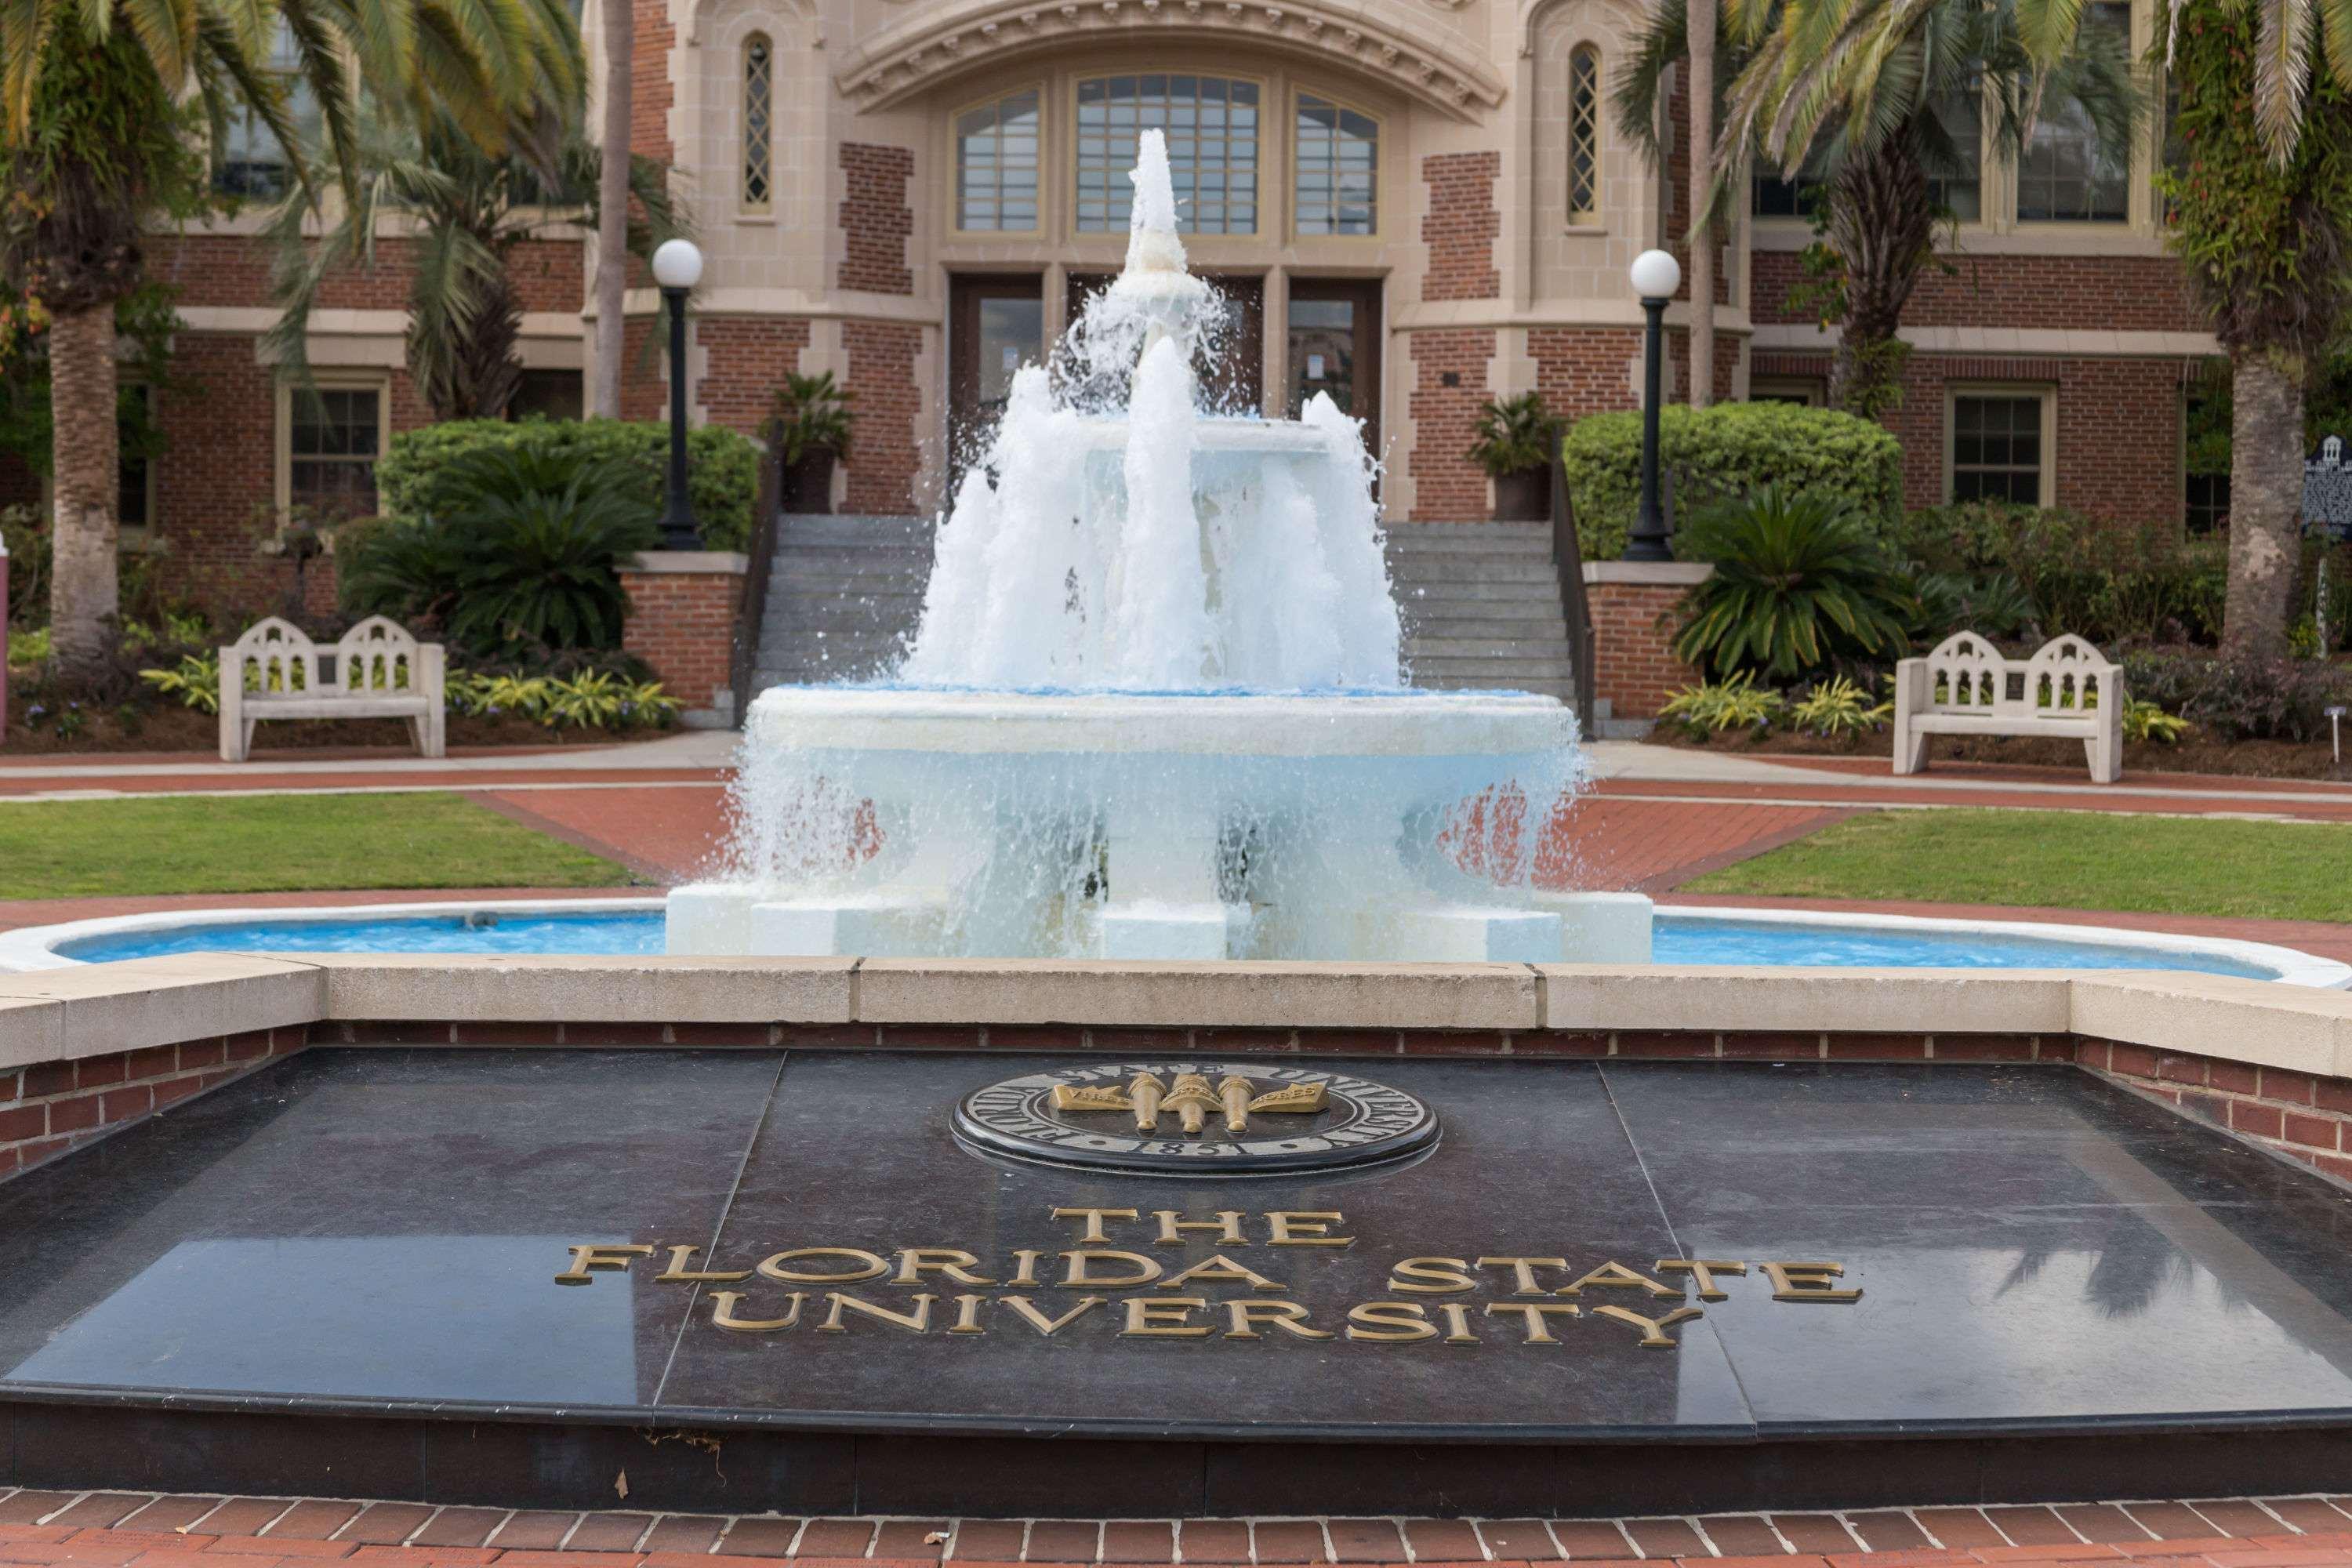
(1155, 707)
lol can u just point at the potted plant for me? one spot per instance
(1517, 438)
(813, 420)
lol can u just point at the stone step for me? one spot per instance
(1546, 649)
(806, 528)
(1435, 540)
(862, 560)
(1501, 598)
(1489, 627)
(1472, 566)
(888, 613)
(1542, 686)
(1494, 669)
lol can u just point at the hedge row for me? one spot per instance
(722, 465)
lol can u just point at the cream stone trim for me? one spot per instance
(1976, 239)
(945, 40)
(1412, 316)
(2006, 341)
(51, 1015)
(255, 320)
(690, 563)
(1649, 574)
(843, 306)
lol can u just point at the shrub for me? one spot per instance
(25, 534)
(2238, 699)
(2147, 722)
(1799, 585)
(1736, 702)
(1515, 434)
(521, 553)
(722, 465)
(1726, 450)
(1839, 708)
(1993, 605)
(195, 680)
(2108, 582)
(814, 415)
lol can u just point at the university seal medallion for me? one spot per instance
(1202, 1119)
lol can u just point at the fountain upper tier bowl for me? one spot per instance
(1193, 825)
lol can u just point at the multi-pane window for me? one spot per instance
(1211, 124)
(996, 164)
(2066, 176)
(332, 438)
(1584, 134)
(1960, 192)
(759, 122)
(252, 162)
(135, 468)
(1338, 172)
(1997, 447)
(2206, 503)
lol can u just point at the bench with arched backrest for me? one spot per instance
(1966, 687)
(377, 670)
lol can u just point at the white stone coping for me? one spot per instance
(708, 562)
(1649, 574)
(79, 1010)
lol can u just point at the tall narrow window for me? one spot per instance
(1212, 126)
(2066, 176)
(1961, 121)
(996, 164)
(1584, 134)
(252, 161)
(1338, 168)
(759, 124)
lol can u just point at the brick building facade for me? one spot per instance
(1428, 203)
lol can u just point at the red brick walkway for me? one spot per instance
(151, 1532)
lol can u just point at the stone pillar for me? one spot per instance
(1635, 618)
(682, 610)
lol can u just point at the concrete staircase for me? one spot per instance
(1481, 607)
(1480, 601)
(843, 597)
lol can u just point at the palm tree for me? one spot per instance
(1703, 23)
(1875, 99)
(612, 222)
(91, 118)
(469, 209)
(2260, 192)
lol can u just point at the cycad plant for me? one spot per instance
(1800, 585)
(469, 209)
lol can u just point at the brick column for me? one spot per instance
(1633, 625)
(682, 608)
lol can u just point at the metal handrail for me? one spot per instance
(751, 609)
(1573, 604)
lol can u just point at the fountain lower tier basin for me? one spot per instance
(1198, 825)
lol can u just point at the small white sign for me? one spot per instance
(1314, 367)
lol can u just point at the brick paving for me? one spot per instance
(144, 1530)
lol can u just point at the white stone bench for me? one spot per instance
(376, 671)
(1966, 688)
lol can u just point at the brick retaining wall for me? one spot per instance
(682, 622)
(51, 1106)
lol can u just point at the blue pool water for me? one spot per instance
(1680, 939)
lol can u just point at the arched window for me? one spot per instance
(1584, 134)
(996, 164)
(1337, 169)
(1212, 137)
(759, 122)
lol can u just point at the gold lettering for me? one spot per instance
(1524, 1270)
(1385, 1320)
(1227, 1225)
(1094, 1218)
(1808, 1282)
(1027, 1312)
(1457, 1324)
(722, 1313)
(868, 1266)
(1305, 1227)
(1444, 1274)
(915, 1322)
(679, 1274)
(1287, 1316)
(1080, 1270)
(1026, 1274)
(1704, 1271)
(949, 1262)
(968, 1315)
(1617, 1277)
(590, 1255)
(1654, 1330)
(1220, 1267)
(1532, 1313)
(1165, 1317)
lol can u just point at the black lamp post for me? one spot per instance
(677, 268)
(1657, 275)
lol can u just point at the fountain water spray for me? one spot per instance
(1155, 705)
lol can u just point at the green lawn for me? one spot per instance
(2060, 859)
(262, 844)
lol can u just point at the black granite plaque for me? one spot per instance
(513, 1252)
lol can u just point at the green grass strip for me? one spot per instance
(278, 843)
(2062, 860)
